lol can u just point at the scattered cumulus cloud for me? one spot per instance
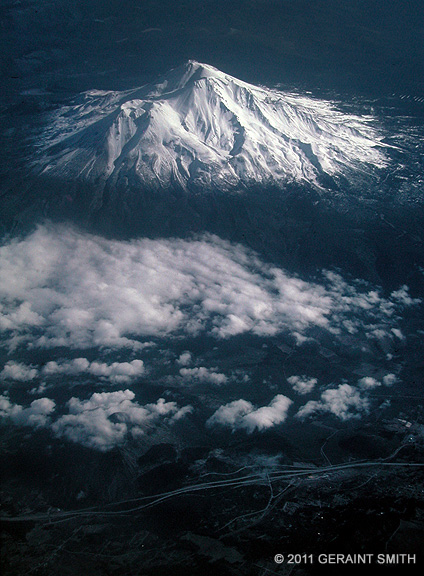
(398, 333)
(344, 402)
(231, 414)
(390, 379)
(117, 372)
(302, 384)
(19, 372)
(184, 359)
(37, 415)
(243, 415)
(38, 390)
(60, 287)
(368, 382)
(103, 421)
(402, 295)
(204, 375)
(107, 418)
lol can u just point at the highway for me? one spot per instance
(286, 473)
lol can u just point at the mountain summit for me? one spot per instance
(199, 127)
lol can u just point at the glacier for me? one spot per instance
(200, 128)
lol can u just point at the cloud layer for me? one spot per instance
(60, 287)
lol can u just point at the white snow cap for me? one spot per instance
(200, 126)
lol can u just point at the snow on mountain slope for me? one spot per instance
(200, 126)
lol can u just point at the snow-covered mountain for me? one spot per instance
(201, 127)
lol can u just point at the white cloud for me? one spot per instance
(203, 374)
(268, 416)
(345, 402)
(381, 334)
(302, 384)
(75, 366)
(104, 420)
(59, 287)
(390, 379)
(181, 413)
(242, 414)
(368, 382)
(117, 372)
(398, 333)
(36, 391)
(36, 415)
(185, 359)
(402, 296)
(17, 371)
(231, 414)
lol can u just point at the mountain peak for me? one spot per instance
(198, 126)
(194, 65)
(203, 70)
(187, 75)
